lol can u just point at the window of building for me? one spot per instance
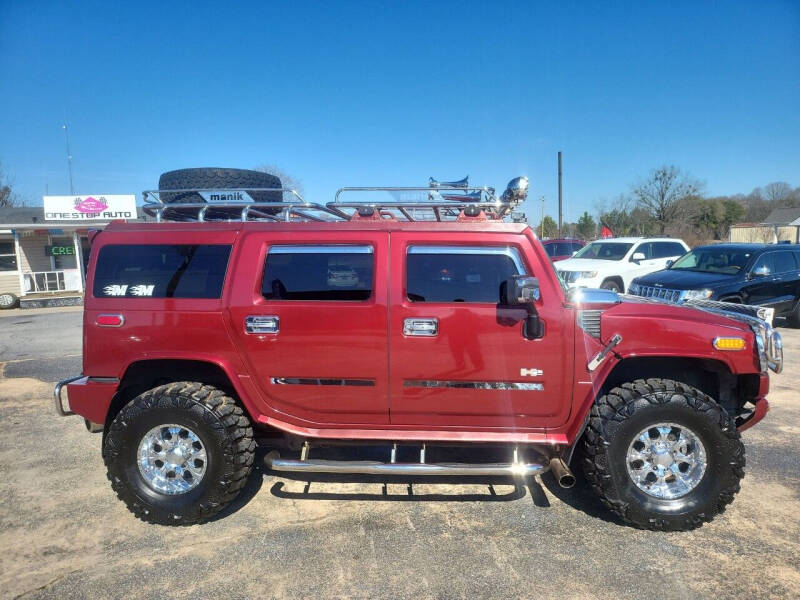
(459, 273)
(62, 249)
(161, 271)
(335, 272)
(8, 257)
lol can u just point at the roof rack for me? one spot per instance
(441, 201)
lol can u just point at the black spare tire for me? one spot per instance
(217, 178)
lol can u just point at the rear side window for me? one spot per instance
(459, 273)
(667, 249)
(341, 272)
(161, 271)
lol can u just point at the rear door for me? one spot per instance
(311, 322)
(773, 281)
(457, 356)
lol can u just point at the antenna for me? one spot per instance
(69, 154)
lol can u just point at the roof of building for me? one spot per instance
(783, 216)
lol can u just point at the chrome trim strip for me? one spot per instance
(508, 251)
(474, 385)
(104, 379)
(321, 381)
(321, 249)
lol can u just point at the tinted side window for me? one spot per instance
(453, 274)
(784, 262)
(551, 249)
(575, 247)
(564, 249)
(667, 249)
(343, 272)
(161, 271)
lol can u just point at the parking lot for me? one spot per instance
(65, 535)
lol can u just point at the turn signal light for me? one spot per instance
(729, 343)
(110, 320)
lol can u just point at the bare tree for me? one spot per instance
(7, 195)
(287, 181)
(778, 193)
(661, 193)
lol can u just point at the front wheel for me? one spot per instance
(610, 284)
(178, 453)
(662, 455)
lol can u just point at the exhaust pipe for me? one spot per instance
(561, 472)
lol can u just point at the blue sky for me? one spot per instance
(384, 93)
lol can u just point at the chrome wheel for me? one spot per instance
(666, 461)
(172, 459)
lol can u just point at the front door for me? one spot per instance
(457, 357)
(311, 320)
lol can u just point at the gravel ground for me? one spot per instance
(65, 535)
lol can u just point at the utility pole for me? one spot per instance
(69, 155)
(560, 213)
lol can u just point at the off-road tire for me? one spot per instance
(219, 422)
(611, 284)
(626, 410)
(215, 178)
(8, 301)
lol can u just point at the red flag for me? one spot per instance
(606, 232)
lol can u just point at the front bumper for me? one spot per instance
(89, 397)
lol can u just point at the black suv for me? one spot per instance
(761, 274)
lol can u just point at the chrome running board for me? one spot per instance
(367, 467)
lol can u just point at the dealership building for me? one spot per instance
(44, 250)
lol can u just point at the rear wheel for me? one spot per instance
(179, 453)
(662, 455)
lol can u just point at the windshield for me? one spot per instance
(713, 260)
(604, 251)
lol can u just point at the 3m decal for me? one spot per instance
(142, 290)
(115, 290)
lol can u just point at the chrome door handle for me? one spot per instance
(424, 327)
(262, 324)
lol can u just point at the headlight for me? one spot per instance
(697, 294)
(585, 274)
(633, 289)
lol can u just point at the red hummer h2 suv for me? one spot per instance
(411, 324)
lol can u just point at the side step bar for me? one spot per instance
(561, 470)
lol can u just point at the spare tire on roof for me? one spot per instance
(217, 178)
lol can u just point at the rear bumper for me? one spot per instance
(89, 397)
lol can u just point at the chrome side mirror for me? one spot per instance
(521, 289)
(638, 257)
(762, 271)
(670, 263)
(516, 190)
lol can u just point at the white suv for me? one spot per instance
(613, 263)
